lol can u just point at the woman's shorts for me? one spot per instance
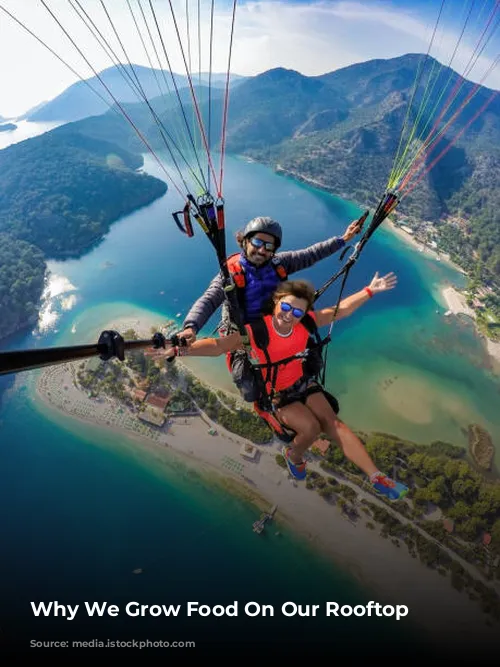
(300, 391)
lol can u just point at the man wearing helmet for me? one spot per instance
(262, 268)
(256, 271)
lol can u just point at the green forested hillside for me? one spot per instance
(61, 191)
(59, 194)
(22, 272)
(352, 155)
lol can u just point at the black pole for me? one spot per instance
(386, 205)
(109, 345)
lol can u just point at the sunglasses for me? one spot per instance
(259, 243)
(296, 312)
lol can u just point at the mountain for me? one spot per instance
(341, 131)
(280, 104)
(125, 84)
(32, 111)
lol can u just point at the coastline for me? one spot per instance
(450, 294)
(420, 247)
(352, 546)
(455, 301)
(457, 305)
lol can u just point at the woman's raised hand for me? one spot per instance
(383, 284)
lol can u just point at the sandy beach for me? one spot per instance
(390, 572)
(457, 305)
(456, 302)
(420, 247)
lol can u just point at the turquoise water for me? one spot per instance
(83, 512)
(84, 509)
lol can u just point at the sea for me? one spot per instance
(82, 509)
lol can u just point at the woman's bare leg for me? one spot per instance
(351, 445)
(300, 418)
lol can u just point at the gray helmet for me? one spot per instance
(266, 226)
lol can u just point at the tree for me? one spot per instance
(415, 461)
(465, 487)
(432, 466)
(382, 450)
(459, 511)
(471, 528)
(490, 494)
(325, 492)
(495, 536)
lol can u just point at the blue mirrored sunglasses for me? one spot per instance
(296, 312)
(258, 243)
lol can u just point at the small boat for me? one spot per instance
(139, 570)
(178, 314)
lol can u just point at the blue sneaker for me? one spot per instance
(297, 470)
(389, 488)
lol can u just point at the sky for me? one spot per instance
(311, 37)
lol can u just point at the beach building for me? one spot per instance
(249, 451)
(153, 416)
(449, 525)
(406, 229)
(159, 402)
(320, 446)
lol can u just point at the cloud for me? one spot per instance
(310, 37)
(319, 37)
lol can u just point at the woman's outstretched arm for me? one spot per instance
(207, 347)
(348, 305)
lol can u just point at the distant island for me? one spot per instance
(450, 520)
(8, 127)
(59, 194)
(481, 446)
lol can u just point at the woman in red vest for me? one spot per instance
(298, 401)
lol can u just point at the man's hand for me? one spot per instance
(383, 284)
(353, 229)
(188, 335)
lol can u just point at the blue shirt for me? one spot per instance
(260, 283)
